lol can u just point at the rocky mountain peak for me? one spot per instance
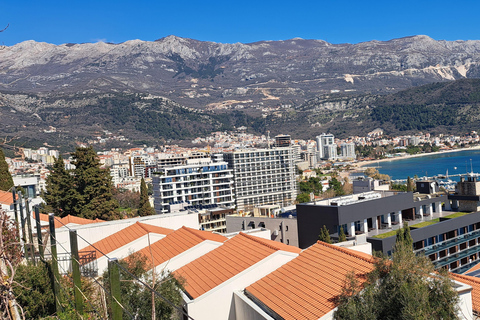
(206, 74)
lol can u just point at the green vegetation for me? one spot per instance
(425, 223)
(313, 184)
(456, 215)
(324, 235)
(398, 187)
(303, 197)
(6, 181)
(337, 187)
(93, 187)
(405, 287)
(385, 235)
(33, 290)
(86, 191)
(145, 209)
(59, 194)
(341, 235)
(138, 299)
(128, 201)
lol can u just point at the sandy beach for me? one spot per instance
(361, 164)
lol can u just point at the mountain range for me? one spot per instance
(258, 84)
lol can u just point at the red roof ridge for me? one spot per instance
(154, 229)
(142, 226)
(272, 244)
(205, 235)
(194, 233)
(465, 277)
(350, 252)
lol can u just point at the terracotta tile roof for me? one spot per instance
(177, 242)
(124, 237)
(307, 286)
(60, 222)
(474, 268)
(474, 282)
(6, 197)
(228, 260)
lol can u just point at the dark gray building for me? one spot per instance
(450, 239)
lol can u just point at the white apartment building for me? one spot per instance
(263, 176)
(348, 150)
(198, 182)
(326, 147)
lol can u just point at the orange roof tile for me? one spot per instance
(123, 237)
(474, 268)
(474, 282)
(307, 286)
(6, 197)
(177, 242)
(60, 222)
(228, 260)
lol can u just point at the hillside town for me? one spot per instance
(238, 193)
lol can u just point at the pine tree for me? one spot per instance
(145, 208)
(341, 235)
(60, 193)
(324, 235)
(93, 186)
(6, 181)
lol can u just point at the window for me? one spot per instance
(286, 229)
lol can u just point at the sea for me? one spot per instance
(453, 163)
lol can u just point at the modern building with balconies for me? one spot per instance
(200, 182)
(451, 239)
(263, 177)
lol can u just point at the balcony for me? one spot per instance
(440, 246)
(456, 256)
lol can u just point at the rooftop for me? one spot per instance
(177, 242)
(6, 197)
(124, 237)
(474, 282)
(60, 222)
(353, 198)
(307, 286)
(234, 256)
(418, 222)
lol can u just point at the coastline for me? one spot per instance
(366, 163)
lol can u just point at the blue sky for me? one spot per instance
(72, 21)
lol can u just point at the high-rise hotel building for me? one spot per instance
(263, 176)
(204, 181)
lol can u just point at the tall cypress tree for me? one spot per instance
(60, 193)
(6, 181)
(145, 208)
(324, 235)
(93, 187)
(341, 235)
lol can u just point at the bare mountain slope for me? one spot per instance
(200, 74)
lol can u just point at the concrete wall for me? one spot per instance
(217, 304)
(286, 233)
(246, 309)
(122, 252)
(188, 256)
